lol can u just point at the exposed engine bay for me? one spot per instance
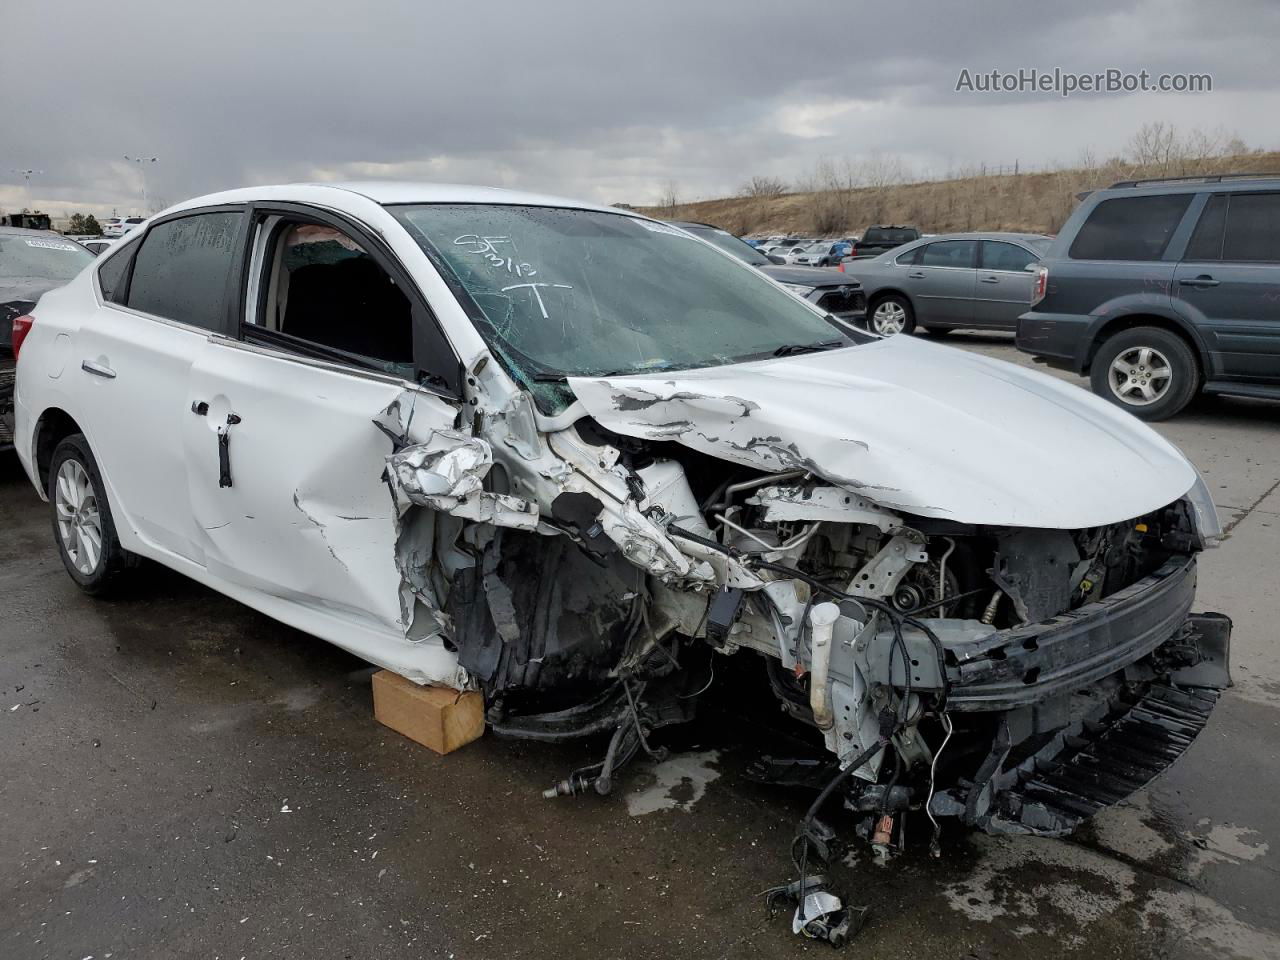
(1014, 678)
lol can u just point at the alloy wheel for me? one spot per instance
(1140, 376)
(79, 520)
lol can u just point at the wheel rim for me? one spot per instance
(79, 521)
(1140, 376)
(889, 318)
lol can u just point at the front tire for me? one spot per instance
(1148, 371)
(83, 527)
(892, 315)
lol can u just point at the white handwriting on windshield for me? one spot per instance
(487, 247)
(537, 295)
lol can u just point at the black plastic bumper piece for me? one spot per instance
(1103, 765)
(1126, 732)
(1035, 662)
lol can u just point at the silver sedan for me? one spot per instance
(977, 281)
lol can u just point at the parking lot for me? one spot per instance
(186, 778)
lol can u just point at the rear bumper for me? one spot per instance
(1060, 338)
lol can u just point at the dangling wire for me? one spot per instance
(935, 847)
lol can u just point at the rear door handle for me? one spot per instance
(1204, 280)
(97, 369)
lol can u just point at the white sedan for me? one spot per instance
(570, 456)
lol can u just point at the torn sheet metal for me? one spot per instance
(915, 426)
(446, 473)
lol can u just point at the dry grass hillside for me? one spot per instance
(1032, 202)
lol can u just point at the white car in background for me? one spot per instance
(568, 456)
(115, 227)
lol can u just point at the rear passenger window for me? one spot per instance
(1206, 242)
(182, 268)
(949, 253)
(1005, 256)
(1253, 228)
(1130, 228)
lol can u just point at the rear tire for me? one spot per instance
(891, 315)
(1147, 371)
(83, 528)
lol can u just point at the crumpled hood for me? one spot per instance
(918, 427)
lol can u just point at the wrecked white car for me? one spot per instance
(567, 455)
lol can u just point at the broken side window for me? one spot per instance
(322, 287)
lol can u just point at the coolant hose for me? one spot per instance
(822, 622)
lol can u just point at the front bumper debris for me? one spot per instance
(1121, 734)
(1034, 662)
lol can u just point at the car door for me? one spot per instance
(286, 460)
(1227, 283)
(941, 281)
(162, 295)
(1003, 289)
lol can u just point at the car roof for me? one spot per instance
(987, 235)
(28, 232)
(395, 192)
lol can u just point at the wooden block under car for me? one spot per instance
(436, 717)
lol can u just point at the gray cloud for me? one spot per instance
(586, 98)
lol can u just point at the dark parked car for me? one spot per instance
(31, 262)
(878, 240)
(838, 294)
(1160, 289)
(975, 281)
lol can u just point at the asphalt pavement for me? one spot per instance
(181, 777)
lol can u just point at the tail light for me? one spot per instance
(21, 327)
(840, 266)
(853, 250)
(1041, 287)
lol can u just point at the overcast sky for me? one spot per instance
(599, 100)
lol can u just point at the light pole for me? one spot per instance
(26, 175)
(141, 170)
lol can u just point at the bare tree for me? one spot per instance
(1155, 146)
(670, 198)
(764, 188)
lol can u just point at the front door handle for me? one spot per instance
(1204, 280)
(97, 369)
(224, 450)
(915, 276)
(988, 279)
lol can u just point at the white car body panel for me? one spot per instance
(914, 426)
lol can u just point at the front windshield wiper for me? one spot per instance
(551, 376)
(791, 349)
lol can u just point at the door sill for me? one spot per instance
(1260, 390)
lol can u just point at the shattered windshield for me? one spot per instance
(564, 291)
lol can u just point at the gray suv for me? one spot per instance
(1160, 289)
